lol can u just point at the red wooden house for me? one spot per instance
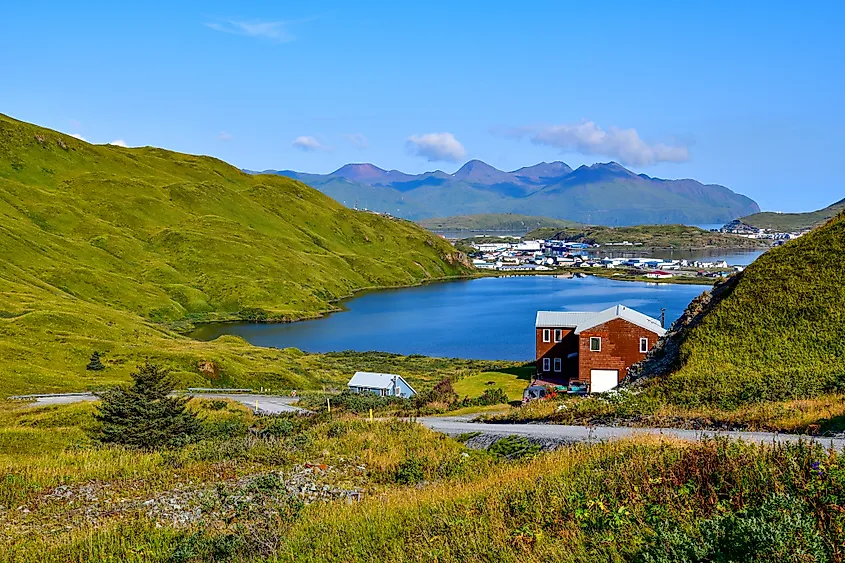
(597, 348)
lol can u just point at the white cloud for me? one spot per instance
(223, 136)
(624, 145)
(309, 144)
(275, 31)
(358, 140)
(78, 136)
(119, 143)
(436, 146)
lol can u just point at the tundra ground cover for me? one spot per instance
(424, 496)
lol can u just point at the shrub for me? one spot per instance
(409, 472)
(514, 447)
(95, 364)
(143, 415)
(781, 529)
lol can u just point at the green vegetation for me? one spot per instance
(513, 381)
(110, 249)
(143, 415)
(494, 222)
(771, 333)
(253, 489)
(677, 237)
(791, 222)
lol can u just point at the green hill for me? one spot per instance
(791, 222)
(494, 222)
(773, 332)
(648, 236)
(109, 248)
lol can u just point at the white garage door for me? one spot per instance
(602, 380)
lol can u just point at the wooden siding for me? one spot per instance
(620, 347)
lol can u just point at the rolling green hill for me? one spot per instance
(649, 236)
(494, 222)
(109, 248)
(773, 332)
(790, 222)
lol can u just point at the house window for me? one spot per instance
(546, 364)
(547, 334)
(595, 344)
(557, 364)
(643, 345)
(558, 335)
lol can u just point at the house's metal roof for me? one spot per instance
(622, 312)
(552, 319)
(585, 321)
(374, 380)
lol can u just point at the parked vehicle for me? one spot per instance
(533, 393)
(577, 387)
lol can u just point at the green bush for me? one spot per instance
(143, 415)
(782, 529)
(514, 447)
(409, 472)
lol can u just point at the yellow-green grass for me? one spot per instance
(42, 448)
(584, 503)
(108, 248)
(513, 381)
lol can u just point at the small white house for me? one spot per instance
(382, 384)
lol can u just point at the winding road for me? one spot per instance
(455, 425)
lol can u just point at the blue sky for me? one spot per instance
(745, 94)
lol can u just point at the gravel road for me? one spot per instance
(453, 426)
(570, 434)
(264, 403)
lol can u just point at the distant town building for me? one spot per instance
(659, 275)
(596, 348)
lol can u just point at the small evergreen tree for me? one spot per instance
(143, 416)
(94, 364)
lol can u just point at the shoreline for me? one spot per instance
(479, 274)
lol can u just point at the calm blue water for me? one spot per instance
(487, 318)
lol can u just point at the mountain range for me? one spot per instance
(604, 193)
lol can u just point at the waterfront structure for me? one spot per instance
(382, 384)
(596, 348)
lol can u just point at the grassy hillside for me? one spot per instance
(650, 236)
(109, 248)
(773, 332)
(424, 497)
(789, 222)
(494, 222)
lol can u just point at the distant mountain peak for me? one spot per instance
(481, 172)
(360, 171)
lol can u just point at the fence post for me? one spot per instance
(371, 415)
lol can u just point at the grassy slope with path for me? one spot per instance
(677, 237)
(425, 496)
(108, 248)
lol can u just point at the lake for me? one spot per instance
(486, 318)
